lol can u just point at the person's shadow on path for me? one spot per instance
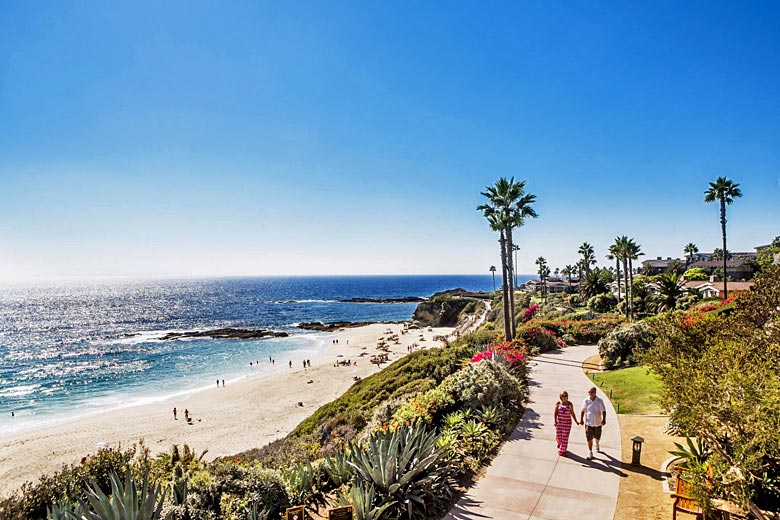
(601, 461)
(466, 509)
(526, 426)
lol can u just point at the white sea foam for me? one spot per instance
(18, 391)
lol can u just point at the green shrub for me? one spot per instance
(687, 301)
(426, 408)
(364, 396)
(602, 302)
(696, 273)
(484, 384)
(262, 487)
(625, 344)
(67, 485)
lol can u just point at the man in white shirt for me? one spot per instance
(593, 415)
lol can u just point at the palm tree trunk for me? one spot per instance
(725, 251)
(511, 279)
(631, 288)
(617, 274)
(625, 280)
(504, 288)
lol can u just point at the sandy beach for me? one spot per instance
(243, 415)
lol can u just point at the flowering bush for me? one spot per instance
(530, 311)
(539, 339)
(513, 354)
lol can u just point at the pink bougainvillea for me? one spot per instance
(513, 352)
(530, 311)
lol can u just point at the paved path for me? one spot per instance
(528, 479)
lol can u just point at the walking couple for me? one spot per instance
(593, 414)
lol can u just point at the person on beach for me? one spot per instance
(175, 418)
(593, 415)
(223, 383)
(217, 383)
(564, 414)
(186, 415)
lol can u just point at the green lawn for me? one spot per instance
(636, 389)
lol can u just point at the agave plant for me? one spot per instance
(492, 416)
(363, 500)
(405, 467)
(65, 511)
(304, 484)
(259, 514)
(454, 419)
(126, 501)
(338, 468)
(695, 453)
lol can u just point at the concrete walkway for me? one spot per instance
(528, 479)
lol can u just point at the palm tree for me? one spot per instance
(497, 223)
(621, 247)
(670, 287)
(588, 256)
(628, 251)
(717, 254)
(493, 272)
(634, 251)
(509, 198)
(544, 272)
(567, 271)
(508, 207)
(725, 191)
(596, 282)
(690, 250)
(515, 249)
(614, 254)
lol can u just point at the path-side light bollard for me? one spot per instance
(637, 452)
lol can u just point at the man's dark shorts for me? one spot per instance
(593, 432)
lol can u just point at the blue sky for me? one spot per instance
(227, 138)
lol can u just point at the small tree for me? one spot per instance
(721, 379)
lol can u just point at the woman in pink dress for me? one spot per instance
(564, 415)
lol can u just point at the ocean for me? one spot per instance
(76, 348)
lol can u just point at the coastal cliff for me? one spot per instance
(446, 308)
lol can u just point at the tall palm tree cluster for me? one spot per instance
(625, 250)
(544, 273)
(508, 206)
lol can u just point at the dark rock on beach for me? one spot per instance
(331, 326)
(226, 333)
